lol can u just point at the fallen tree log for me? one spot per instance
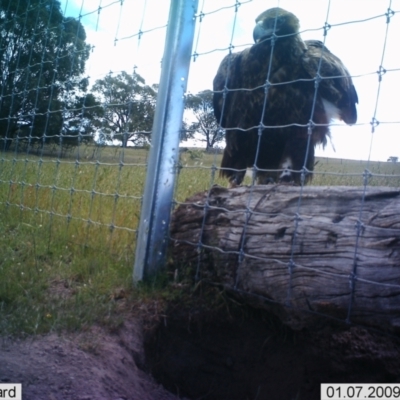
(320, 251)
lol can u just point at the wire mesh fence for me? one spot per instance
(79, 85)
(215, 230)
(71, 95)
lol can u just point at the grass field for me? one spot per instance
(68, 229)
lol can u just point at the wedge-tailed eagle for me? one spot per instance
(276, 96)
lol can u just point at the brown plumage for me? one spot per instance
(274, 82)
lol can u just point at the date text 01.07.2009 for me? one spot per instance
(358, 391)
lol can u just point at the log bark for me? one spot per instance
(304, 253)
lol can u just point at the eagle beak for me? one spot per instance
(260, 33)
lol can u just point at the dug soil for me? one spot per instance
(253, 356)
(191, 354)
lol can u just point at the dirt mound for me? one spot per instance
(94, 365)
(245, 354)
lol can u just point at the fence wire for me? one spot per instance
(367, 173)
(78, 90)
(71, 94)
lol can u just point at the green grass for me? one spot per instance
(66, 253)
(334, 172)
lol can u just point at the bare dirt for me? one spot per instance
(194, 354)
(253, 356)
(93, 365)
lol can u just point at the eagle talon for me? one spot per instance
(232, 185)
(265, 180)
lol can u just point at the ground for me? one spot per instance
(229, 354)
(92, 365)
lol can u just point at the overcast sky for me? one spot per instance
(359, 35)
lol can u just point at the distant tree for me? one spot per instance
(201, 104)
(42, 60)
(128, 108)
(393, 159)
(81, 119)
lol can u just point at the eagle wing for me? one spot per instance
(230, 114)
(336, 86)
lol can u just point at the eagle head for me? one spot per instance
(275, 20)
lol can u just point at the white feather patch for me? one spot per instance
(332, 112)
(286, 165)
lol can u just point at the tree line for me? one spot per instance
(45, 96)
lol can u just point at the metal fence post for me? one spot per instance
(164, 153)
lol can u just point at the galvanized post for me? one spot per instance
(164, 152)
